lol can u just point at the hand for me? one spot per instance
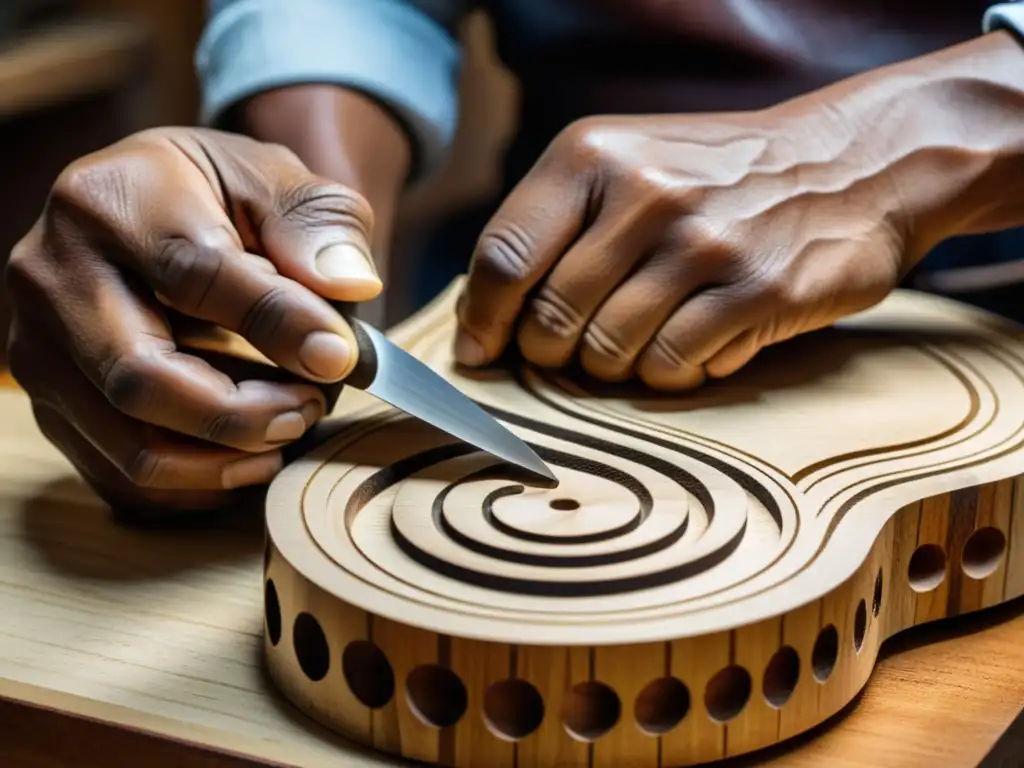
(170, 223)
(674, 248)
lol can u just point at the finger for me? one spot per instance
(143, 376)
(532, 229)
(313, 230)
(703, 325)
(556, 316)
(114, 487)
(627, 322)
(151, 457)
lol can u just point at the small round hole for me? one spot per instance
(876, 600)
(661, 705)
(825, 653)
(781, 676)
(927, 568)
(311, 647)
(513, 709)
(860, 625)
(368, 673)
(436, 695)
(727, 693)
(983, 552)
(564, 505)
(591, 710)
(272, 612)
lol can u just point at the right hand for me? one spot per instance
(192, 222)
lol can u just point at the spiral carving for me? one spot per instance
(445, 525)
(710, 574)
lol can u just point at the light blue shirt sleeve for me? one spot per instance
(403, 53)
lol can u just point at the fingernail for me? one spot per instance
(468, 350)
(346, 262)
(312, 412)
(285, 427)
(254, 470)
(325, 355)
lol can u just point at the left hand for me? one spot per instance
(674, 248)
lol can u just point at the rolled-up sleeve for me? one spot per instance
(392, 50)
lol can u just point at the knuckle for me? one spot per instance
(601, 344)
(265, 317)
(24, 275)
(584, 141)
(224, 427)
(774, 288)
(127, 385)
(503, 255)
(666, 354)
(142, 466)
(323, 204)
(668, 193)
(80, 183)
(711, 241)
(185, 272)
(554, 314)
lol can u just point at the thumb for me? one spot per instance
(314, 231)
(318, 233)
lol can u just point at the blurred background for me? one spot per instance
(76, 75)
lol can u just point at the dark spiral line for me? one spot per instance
(645, 505)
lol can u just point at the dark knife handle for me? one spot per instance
(365, 370)
(240, 360)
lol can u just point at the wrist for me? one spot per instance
(340, 135)
(941, 136)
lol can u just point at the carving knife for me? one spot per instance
(389, 373)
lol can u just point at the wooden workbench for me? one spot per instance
(121, 647)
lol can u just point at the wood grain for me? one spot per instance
(685, 537)
(148, 645)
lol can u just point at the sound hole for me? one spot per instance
(876, 602)
(661, 705)
(860, 625)
(513, 709)
(825, 653)
(436, 695)
(781, 676)
(564, 505)
(927, 568)
(983, 552)
(272, 612)
(727, 693)
(591, 710)
(368, 673)
(311, 648)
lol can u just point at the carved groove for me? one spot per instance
(691, 590)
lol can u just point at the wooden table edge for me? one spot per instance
(122, 722)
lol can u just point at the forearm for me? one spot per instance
(943, 133)
(339, 134)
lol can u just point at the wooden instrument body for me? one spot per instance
(714, 574)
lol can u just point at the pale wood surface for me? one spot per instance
(161, 631)
(61, 62)
(796, 516)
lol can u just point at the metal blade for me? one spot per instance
(399, 379)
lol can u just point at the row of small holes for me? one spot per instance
(980, 558)
(513, 708)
